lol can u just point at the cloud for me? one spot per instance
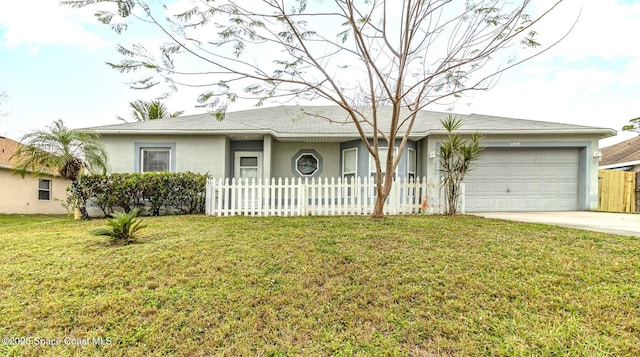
(604, 29)
(36, 23)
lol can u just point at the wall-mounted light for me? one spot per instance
(433, 155)
(598, 155)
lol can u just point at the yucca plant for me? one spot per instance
(456, 156)
(123, 227)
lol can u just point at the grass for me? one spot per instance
(342, 286)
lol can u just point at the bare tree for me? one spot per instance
(357, 54)
(3, 99)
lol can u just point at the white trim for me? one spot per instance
(48, 190)
(300, 157)
(236, 162)
(157, 149)
(412, 174)
(355, 172)
(620, 164)
(414, 134)
(415, 161)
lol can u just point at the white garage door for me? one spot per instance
(524, 180)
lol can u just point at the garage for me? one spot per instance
(524, 179)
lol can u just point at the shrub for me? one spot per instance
(124, 227)
(152, 193)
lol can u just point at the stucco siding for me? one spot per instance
(424, 161)
(201, 154)
(20, 195)
(283, 153)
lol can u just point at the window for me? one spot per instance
(411, 164)
(383, 157)
(249, 167)
(307, 164)
(350, 164)
(44, 190)
(155, 159)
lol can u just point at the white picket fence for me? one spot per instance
(324, 197)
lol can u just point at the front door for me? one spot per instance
(247, 165)
(247, 168)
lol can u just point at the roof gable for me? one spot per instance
(7, 148)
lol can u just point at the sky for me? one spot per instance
(52, 66)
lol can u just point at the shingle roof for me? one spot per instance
(322, 121)
(7, 148)
(624, 152)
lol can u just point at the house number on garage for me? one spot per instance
(515, 143)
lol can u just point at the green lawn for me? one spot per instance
(343, 286)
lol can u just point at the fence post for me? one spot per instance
(302, 196)
(207, 197)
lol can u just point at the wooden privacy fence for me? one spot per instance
(304, 196)
(616, 191)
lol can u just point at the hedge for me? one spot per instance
(153, 193)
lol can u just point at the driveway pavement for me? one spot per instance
(615, 223)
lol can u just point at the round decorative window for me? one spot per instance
(307, 164)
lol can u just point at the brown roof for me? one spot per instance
(7, 148)
(626, 151)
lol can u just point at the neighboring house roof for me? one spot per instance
(626, 153)
(288, 123)
(7, 148)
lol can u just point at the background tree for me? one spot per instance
(456, 156)
(356, 54)
(634, 125)
(142, 110)
(60, 150)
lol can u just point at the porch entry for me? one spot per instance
(247, 166)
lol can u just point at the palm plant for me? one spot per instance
(634, 125)
(60, 150)
(124, 227)
(456, 156)
(142, 110)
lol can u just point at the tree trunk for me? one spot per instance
(383, 193)
(76, 213)
(378, 209)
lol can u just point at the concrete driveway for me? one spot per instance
(615, 223)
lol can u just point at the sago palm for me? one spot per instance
(124, 227)
(60, 150)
